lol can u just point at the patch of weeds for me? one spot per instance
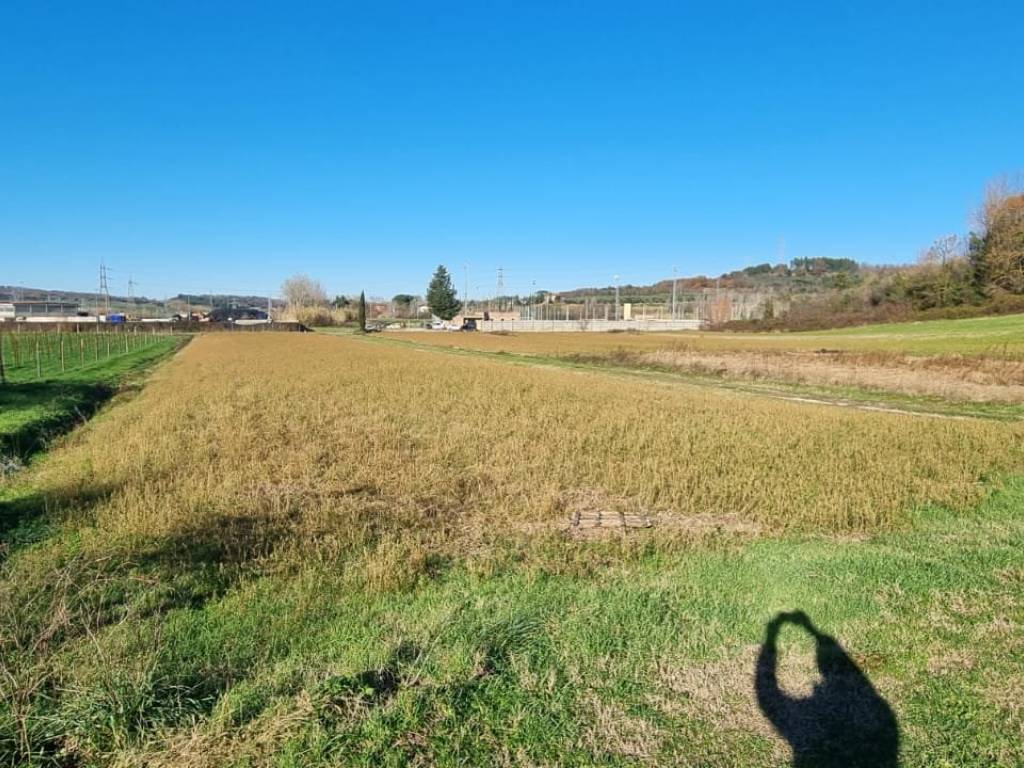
(499, 640)
(341, 697)
(244, 702)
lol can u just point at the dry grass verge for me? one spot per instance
(948, 376)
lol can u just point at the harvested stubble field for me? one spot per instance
(303, 550)
(319, 424)
(966, 361)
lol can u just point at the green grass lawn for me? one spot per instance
(1002, 335)
(576, 654)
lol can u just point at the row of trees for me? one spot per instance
(977, 273)
(974, 269)
(308, 303)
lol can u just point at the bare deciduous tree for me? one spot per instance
(944, 250)
(303, 291)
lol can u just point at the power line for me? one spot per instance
(104, 288)
(131, 294)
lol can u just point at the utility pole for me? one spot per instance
(674, 272)
(465, 295)
(501, 286)
(104, 289)
(131, 294)
(616, 298)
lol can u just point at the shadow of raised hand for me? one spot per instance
(844, 722)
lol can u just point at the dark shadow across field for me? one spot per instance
(53, 407)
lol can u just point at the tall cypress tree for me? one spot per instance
(441, 295)
(362, 313)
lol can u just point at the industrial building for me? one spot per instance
(17, 310)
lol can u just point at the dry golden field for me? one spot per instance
(341, 440)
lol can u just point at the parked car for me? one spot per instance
(468, 325)
(438, 325)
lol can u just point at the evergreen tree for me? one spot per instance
(441, 295)
(362, 313)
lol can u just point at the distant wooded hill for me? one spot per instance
(800, 276)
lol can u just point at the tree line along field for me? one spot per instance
(294, 549)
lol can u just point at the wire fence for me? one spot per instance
(36, 355)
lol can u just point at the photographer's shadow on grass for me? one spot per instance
(843, 722)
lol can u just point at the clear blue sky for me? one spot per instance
(202, 146)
